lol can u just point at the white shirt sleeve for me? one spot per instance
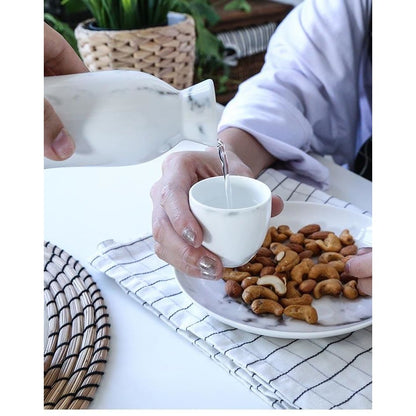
(306, 97)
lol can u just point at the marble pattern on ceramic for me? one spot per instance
(121, 117)
(335, 315)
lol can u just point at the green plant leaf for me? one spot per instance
(201, 9)
(128, 15)
(74, 6)
(242, 5)
(208, 43)
(205, 10)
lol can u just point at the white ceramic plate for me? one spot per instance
(335, 315)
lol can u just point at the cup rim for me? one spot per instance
(238, 177)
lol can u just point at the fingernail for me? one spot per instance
(347, 267)
(63, 145)
(189, 236)
(208, 268)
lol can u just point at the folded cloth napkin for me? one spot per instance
(246, 42)
(327, 373)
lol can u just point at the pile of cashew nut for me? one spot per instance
(291, 269)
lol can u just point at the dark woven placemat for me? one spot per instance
(78, 332)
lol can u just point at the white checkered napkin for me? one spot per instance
(325, 373)
(290, 189)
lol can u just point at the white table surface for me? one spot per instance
(149, 365)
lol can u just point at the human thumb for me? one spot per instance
(360, 266)
(58, 144)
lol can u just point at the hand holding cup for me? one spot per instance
(234, 232)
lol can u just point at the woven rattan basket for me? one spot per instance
(167, 52)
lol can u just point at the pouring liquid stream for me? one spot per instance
(225, 171)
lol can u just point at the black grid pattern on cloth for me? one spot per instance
(327, 373)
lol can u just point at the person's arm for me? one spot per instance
(306, 96)
(272, 116)
(247, 148)
(59, 59)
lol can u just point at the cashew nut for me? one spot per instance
(287, 263)
(320, 270)
(276, 236)
(248, 281)
(267, 239)
(233, 289)
(266, 306)
(350, 250)
(350, 290)
(279, 256)
(346, 238)
(267, 270)
(309, 229)
(254, 292)
(301, 270)
(306, 254)
(305, 299)
(264, 252)
(291, 291)
(307, 286)
(312, 246)
(331, 243)
(331, 287)
(252, 268)
(265, 261)
(319, 235)
(297, 238)
(296, 247)
(230, 274)
(303, 312)
(282, 275)
(338, 265)
(329, 256)
(277, 284)
(284, 229)
(276, 247)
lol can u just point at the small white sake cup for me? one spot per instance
(236, 233)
